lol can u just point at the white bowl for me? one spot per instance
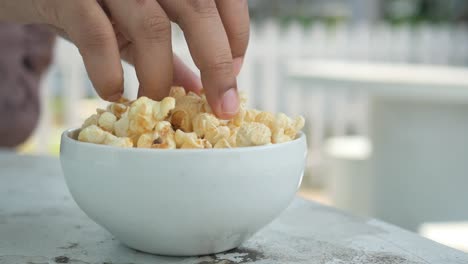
(182, 202)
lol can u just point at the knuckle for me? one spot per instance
(240, 40)
(242, 36)
(222, 67)
(156, 27)
(97, 37)
(205, 8)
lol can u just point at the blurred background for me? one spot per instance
(383, 87)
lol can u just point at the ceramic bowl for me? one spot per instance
(182, 202)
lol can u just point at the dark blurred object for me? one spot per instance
(307, 11)
(25, 53)
(394, 11)
(414, 11)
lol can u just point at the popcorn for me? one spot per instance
(215, 134)
(285, 129)
(253, 134)
(145, 140)
(188, 140)
(250, 115)
(203, 122)
(96, 135)
(112, 140)
(181, 120)
(161, 109)
(164, 136)
(198, 144)
(177, 92)
(185, 109)
(92, 120)
(193, 94)
(232, 140)
(239, 118)
(206, 108)
(121, 126)
(117, 109)
(223, 143)
(206, 143)
(185, 120)
(299, 123)
(92, 134)
(266, 118)
(208, 126)
(140, 116)
(124, 101)
(278, 136)
(106, 121)
(243, 98)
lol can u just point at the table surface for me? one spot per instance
(40, 223)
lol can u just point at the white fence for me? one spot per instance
(264, 75)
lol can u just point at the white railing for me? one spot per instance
(264, 75)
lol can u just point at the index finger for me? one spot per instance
(235, 17)
(148, 28)
(209, 46)
(90, 29)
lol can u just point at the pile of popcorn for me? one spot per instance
(184, 120)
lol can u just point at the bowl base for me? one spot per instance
(184, 253)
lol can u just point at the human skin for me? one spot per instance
(217, 33)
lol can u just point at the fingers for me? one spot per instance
(185, 77)
(145, 24)
(210, 50)
(89, 28)
(235, 17)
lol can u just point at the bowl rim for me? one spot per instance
(68, 139)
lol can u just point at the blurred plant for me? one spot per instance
(305, 12)
(332, 12)
(416, 11)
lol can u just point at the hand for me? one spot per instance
(217, 32)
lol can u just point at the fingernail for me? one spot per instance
(230, 104)
(114, 97)
(237, 64)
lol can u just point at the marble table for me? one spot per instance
(40, 223)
